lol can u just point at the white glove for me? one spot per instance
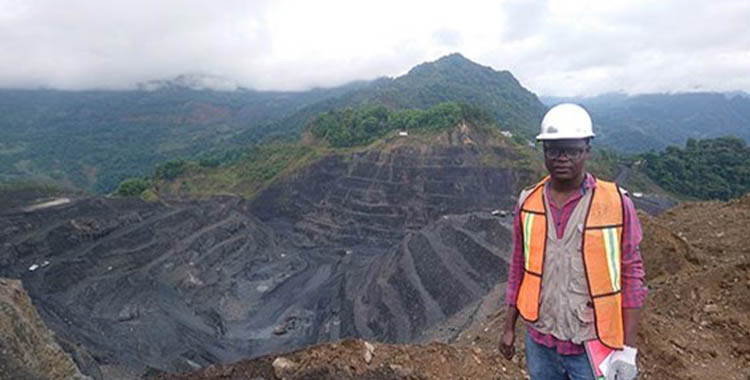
(622, 365)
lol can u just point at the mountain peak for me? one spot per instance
(450, 64)
(454, 57)
(454, 78)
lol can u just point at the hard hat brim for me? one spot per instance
(557, 136)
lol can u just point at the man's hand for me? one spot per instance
(507, 343)
(622, 366)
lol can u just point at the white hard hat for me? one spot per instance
(566, 121)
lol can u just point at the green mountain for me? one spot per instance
(452, 78)
(654, 121)
(94, 139)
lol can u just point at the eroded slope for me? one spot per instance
(28, 350)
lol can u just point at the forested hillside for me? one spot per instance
(707, 169)
(94, 139)
(351, 127)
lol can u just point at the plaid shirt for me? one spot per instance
(633, 287)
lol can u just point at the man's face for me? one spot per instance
(565, 159)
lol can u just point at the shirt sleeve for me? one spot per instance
(634, 289)
(516, 261)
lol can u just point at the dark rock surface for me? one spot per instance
(358, 245)
(432, 274)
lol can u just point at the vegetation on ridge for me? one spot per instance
(243, 176)
(708, 169)
(354, 127)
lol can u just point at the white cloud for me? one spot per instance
(558, 47)
(447, 37)
(589, 47)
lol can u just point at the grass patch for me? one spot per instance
(257, 170)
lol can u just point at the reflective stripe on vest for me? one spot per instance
(601, 250)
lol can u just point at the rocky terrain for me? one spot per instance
(28, 350)
(381, 243)
(696, 324)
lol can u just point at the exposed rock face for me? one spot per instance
(431, 275)
(375, 197)
(390, 214)
(355, 245)
(28, 350)
(143, 285)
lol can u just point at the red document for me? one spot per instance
(599, 357)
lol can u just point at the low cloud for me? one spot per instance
(554, 47)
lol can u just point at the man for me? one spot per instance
(576, 273)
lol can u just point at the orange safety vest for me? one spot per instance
(601, 250)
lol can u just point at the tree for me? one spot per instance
(170, 169)
(132, 187)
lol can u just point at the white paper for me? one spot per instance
(605, 364)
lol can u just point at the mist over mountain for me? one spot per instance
(654, 121)
(191, 81)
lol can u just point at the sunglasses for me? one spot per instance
(570, 153)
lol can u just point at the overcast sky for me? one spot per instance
(560, 47)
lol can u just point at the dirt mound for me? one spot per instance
(696, 321)
(27, 348)
(349, 360)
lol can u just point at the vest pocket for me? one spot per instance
(585, 312)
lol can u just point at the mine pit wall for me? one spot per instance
(376, 197)
(428, 263)
(431, 275)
